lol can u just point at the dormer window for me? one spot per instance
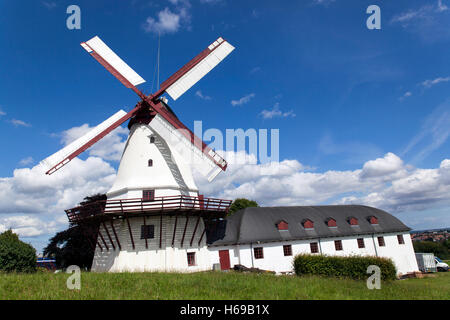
(282, 225)
(352, 221)
(373, 220)
(331, 223)
(308, 224)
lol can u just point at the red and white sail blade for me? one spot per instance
(196, 69)
(192, 149)
(72, 150)
(112, 62)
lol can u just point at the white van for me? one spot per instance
(440, 265)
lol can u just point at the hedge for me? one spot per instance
(15, 255)
(354, 267)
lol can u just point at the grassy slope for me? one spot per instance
(214, 285)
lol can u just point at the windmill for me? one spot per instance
(153, 218)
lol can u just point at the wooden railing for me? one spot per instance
(139, 205)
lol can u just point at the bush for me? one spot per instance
(15, 255)
(354, 267)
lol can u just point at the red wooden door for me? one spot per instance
(224, 258)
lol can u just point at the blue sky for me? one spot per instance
(364, 115)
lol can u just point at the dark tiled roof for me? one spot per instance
(259, 224)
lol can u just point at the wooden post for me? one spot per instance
(184, 232)
(129, 229)
(201, 237)
(174, 230)
(160, 231)
(109, 236)
(195, 229)
(104, 242)
(146, 243)
(115, 234)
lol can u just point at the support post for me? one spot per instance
(184, 232)
(104, 242)
(129, 229)
(115, 234)
(160, 231)
(174, 230)
(146, 242)
(195, 229)
(109, 236)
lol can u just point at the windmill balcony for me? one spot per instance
(109, 209)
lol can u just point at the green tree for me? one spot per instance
(241, 203)
(15, 255)
(74, 246)
(437, 248)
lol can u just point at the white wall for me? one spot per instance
(154, 258)
(402, 254)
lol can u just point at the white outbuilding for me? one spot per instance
(269, 237)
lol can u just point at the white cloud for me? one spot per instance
(381, 167)
(323, 2)
(245, 99)
(386, 183)
(441, 6)
(199, 94)
(109, 148)
(434, 132)
(406, 95)
(33, 203)
(30, 195)
(422, 13)
(26, 161)
(49, 4)
(170, 21)
(275, 112)
(430, 83)
(2, 113)
(430, 21)
(19, 123)
(210, 1)
(27, 226)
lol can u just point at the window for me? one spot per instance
(353, 221)
(148, 195)
(282, 225)
(258, 253)
(400, 239)
(191, 258)
(361, 243)
(287, 250)
(150, 162)
(331, 222)
(152, 139)
(314, 247)
(381, 241)
(338, 245)
(147, 231)
(373, 220)
(308, 224)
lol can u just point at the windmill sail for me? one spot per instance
(63, 156)
(112, 62)
(196, 69)
(208, 162)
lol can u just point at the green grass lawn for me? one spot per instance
(215, 285)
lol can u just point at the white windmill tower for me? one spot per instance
(153, 218)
